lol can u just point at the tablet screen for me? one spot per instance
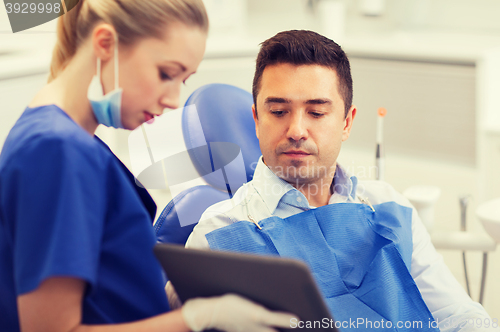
(277, 283)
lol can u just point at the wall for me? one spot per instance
(466, 16)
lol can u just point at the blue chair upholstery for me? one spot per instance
(225, 115)
(168, 228)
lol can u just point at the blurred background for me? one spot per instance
(434, 64)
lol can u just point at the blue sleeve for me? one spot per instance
(58, 208)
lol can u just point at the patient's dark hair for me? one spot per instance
(302, 47)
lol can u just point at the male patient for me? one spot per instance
(364, 243)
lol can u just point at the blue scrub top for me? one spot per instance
(68, 207)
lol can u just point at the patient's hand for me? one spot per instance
(173, 298)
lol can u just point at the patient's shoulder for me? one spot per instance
(379, 192)
(229, 208)
(219, 215)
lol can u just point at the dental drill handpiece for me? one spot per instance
(464, 202)
(379, 154)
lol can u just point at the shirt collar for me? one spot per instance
(272, 188)
(343, 183)
(269, 186)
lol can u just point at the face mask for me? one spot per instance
(107, 108)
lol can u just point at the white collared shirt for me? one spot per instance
(268, 195)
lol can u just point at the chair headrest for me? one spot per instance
(225, 114)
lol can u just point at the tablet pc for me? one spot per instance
(277, 283)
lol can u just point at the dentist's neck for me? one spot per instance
(74, 82)
(69, 91)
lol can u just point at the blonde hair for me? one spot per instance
(132, 20)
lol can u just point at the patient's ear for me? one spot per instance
(348, 123)
(256, 119)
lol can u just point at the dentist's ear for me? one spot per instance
(348, 123)
(256, 119)
(104, 41)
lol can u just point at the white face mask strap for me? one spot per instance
(99, 68)
(116, 62)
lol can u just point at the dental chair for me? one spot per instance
(219, 134)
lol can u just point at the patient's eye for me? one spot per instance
(317, 114)
(278, 113)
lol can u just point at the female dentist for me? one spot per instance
(75, 232)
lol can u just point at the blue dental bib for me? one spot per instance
(360, 259)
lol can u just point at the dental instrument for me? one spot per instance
(379, 155)
(464, 202)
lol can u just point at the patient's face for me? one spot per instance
(300, 122)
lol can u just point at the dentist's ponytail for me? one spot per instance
(132, 20)
(66, 43)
